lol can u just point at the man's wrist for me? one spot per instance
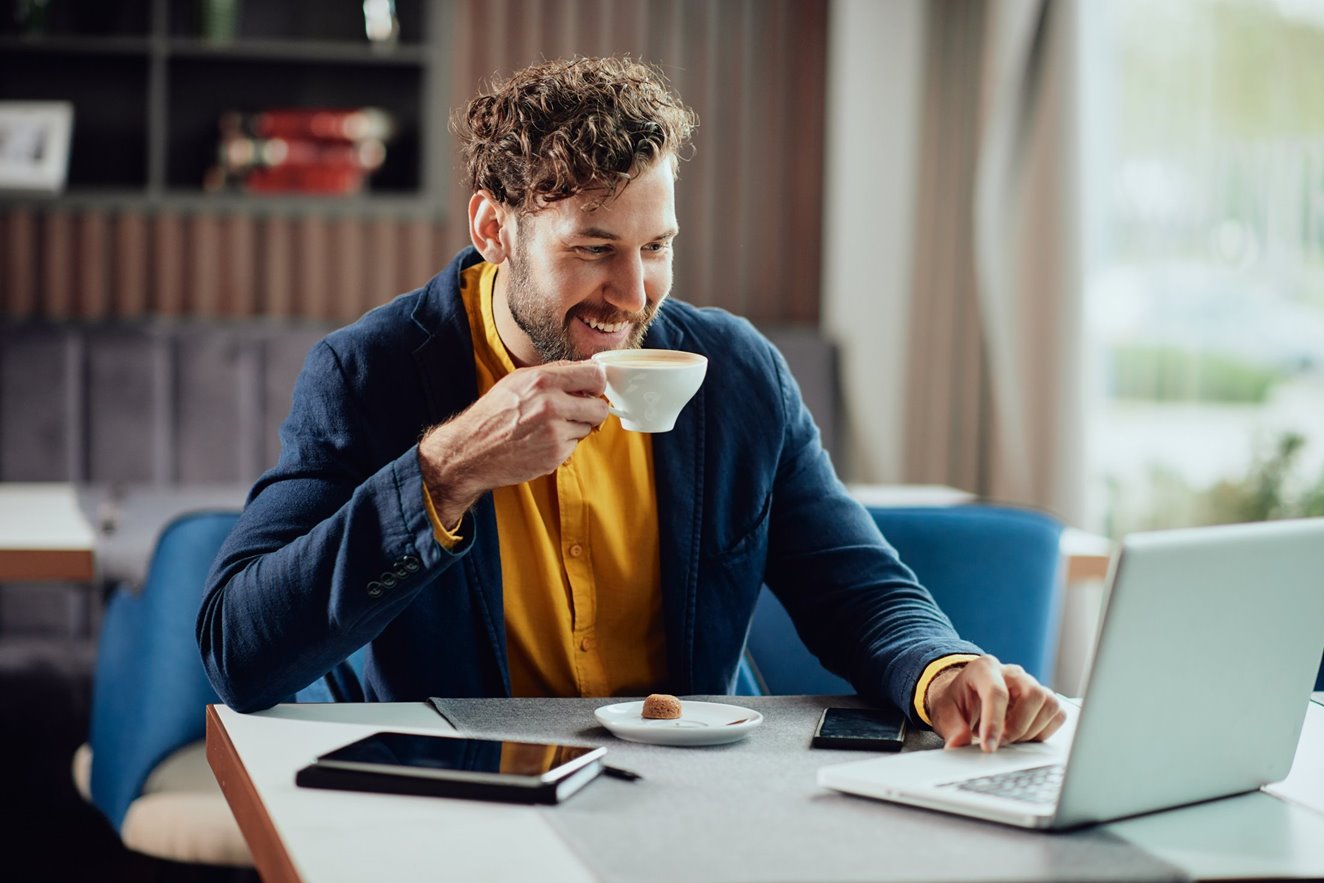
(443, 477)
(935, 676)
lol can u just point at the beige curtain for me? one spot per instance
(993, 400)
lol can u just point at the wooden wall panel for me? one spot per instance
(347, 269)
(275, 271)
(93, 266)
(239, 280)
(57, 264)
(167, 267)
(129, 290)
(312, 278)
(20, 264)
(383, 265)
(202, 295)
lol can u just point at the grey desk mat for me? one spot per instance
(751, 811)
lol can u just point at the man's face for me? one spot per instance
(579, 282)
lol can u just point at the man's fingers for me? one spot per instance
(584, 378)
(1027, 701)
(1047, 722)
(583, 409)
(954, 729)
(993, 699)
(1001, 703)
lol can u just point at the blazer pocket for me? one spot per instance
(750, 539)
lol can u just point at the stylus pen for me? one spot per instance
(617, 773)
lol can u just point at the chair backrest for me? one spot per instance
(994, 570)
(149, 686)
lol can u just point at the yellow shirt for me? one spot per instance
(580, 565)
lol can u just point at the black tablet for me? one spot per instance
(457, 766)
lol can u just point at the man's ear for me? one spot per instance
(490, 227)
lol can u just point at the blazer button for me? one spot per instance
(412, 564)
(387, 580)
(375, 589)
(400, 572)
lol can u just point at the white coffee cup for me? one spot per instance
(648, 388)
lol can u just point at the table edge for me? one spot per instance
(270, 857)
(47, 565)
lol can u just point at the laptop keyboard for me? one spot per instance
(1039, 784)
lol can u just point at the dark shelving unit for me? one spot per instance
(149, 81)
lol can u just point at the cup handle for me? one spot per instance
(612, 409)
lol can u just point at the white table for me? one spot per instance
(43, 535)
(314, 835)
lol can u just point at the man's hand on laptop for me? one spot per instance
(1001, 703)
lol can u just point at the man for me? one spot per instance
(451, 492)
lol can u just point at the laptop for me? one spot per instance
(1207, 652)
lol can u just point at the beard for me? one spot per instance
(534, 313)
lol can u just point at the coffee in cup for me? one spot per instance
(648, 388)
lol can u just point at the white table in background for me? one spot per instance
(43, 535)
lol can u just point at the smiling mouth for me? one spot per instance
(605, 327)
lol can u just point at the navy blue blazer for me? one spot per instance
(335, 550)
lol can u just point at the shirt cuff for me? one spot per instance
(931, 671)
(447, 538)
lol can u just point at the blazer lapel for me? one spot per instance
(446, 362)
(445, 366)
(678, 482)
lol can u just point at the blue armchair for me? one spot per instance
(148, 773)
(144, 765)
(994, 570)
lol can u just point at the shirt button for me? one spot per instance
(576, 550)
(586, 644)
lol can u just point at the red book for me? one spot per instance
(309, 179)
(328, 124)
(238, 153)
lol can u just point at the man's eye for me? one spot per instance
(656, 247)
(594, 250)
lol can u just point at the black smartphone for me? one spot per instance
(868, 729)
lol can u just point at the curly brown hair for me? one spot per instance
(560, 128)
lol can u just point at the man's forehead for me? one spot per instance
(574, 221)
(596, 211)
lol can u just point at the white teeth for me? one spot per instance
(606, 329)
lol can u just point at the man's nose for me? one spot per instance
(627, 291)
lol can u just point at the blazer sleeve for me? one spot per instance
(859, 609)
(334, 542)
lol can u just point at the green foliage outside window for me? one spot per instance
(1272, 488)
(1169, 374)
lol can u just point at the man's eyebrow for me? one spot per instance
(600, 233)
(596, 233)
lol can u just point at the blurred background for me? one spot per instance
(1054, 253)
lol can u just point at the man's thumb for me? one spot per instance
(956, 732)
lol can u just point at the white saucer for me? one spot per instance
(700, 723)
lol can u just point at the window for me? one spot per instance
(1205, 276)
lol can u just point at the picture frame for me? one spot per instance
(34, 145)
